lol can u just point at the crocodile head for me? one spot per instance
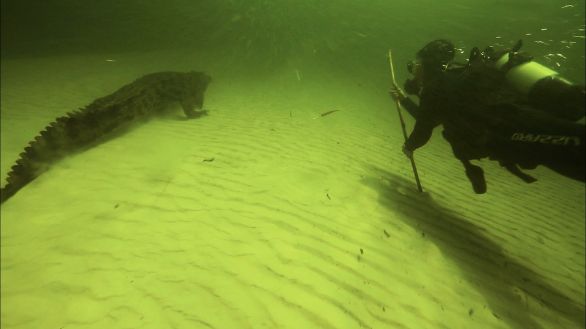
(196, 84)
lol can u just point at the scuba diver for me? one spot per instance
(500, 105)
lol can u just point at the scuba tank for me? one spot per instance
(544, 88)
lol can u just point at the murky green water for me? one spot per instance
(349, 35)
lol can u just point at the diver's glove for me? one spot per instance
(397, 93)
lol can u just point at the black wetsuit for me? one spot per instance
(493, 123)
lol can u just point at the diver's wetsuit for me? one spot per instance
(462, 152)
(479, 124)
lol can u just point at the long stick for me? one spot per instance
(398, 104)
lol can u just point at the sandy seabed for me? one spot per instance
(300, 221)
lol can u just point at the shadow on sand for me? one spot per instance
(505, 283)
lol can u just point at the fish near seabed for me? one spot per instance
(135, 102)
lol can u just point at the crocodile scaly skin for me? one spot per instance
(105, 117)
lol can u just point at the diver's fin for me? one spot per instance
(513, 169)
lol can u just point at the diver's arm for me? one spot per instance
(399, 95)
(410, 106)
(426, 120)
(420, 135)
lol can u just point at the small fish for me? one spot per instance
(567, 6)
(328, 113)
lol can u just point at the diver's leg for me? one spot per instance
(513, 169)
(558, 98)
(476, 176)
(569, 163)
(556, 144)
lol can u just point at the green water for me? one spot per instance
(300, 221)
(347, 35)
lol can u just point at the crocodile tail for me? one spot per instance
(48, 146)
(6, 192)
(20, 175)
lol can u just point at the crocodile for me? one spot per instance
(105, 118)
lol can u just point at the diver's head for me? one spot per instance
(413, 86)
(415, 67)
(430, 61)
(436, 55)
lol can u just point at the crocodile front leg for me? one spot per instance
(189, 106)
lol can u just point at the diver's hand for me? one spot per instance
(397, 93)
(407, 152)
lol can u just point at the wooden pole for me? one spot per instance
(398, 104)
